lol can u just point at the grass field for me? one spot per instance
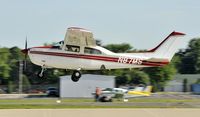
(51, 103)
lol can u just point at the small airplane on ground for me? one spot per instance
(79, 52)
(136, 92)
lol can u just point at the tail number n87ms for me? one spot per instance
(127, 60)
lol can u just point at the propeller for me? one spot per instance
(25, 51)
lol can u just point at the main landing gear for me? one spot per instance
(76, 75)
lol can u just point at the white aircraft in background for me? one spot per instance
(79, 52)
(138, 91)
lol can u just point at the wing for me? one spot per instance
(79, 36)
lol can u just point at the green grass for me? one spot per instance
(53, 100)
(89, 103)
(162, 100)
(43, 101)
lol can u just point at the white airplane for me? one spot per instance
(111, 92)
(127, 93)
(79, 52)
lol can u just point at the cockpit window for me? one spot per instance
(58, 45)
(91, 51)
(72, 48)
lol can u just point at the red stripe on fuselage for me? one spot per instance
(94, 57)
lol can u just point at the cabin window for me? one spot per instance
(91, 51)
(72, 48)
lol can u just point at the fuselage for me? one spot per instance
(88, 58)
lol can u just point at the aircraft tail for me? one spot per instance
(148, 89)
(167, 48)
(145, 92)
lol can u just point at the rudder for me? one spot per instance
(167, 48)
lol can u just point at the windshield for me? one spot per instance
(58, 45)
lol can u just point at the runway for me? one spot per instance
(146, 112)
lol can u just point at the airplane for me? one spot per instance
(78, 51)
(114, 91)
(139, 91)
(111, 92)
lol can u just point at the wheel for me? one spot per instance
(40, 75)
(74, 79)
(76, 76)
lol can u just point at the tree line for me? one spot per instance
(185, 61)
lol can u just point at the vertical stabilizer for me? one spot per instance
(168, 47)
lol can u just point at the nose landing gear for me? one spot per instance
(41, 73)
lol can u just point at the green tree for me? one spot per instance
(26, 84)
(138, 77)
(4, 67)
(14, 58)
(160, 75)
(130, 76)
(190, 58)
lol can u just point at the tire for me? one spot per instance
(74, 79)
(76, 76)
(40, 75)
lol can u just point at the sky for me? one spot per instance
(143, 23)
